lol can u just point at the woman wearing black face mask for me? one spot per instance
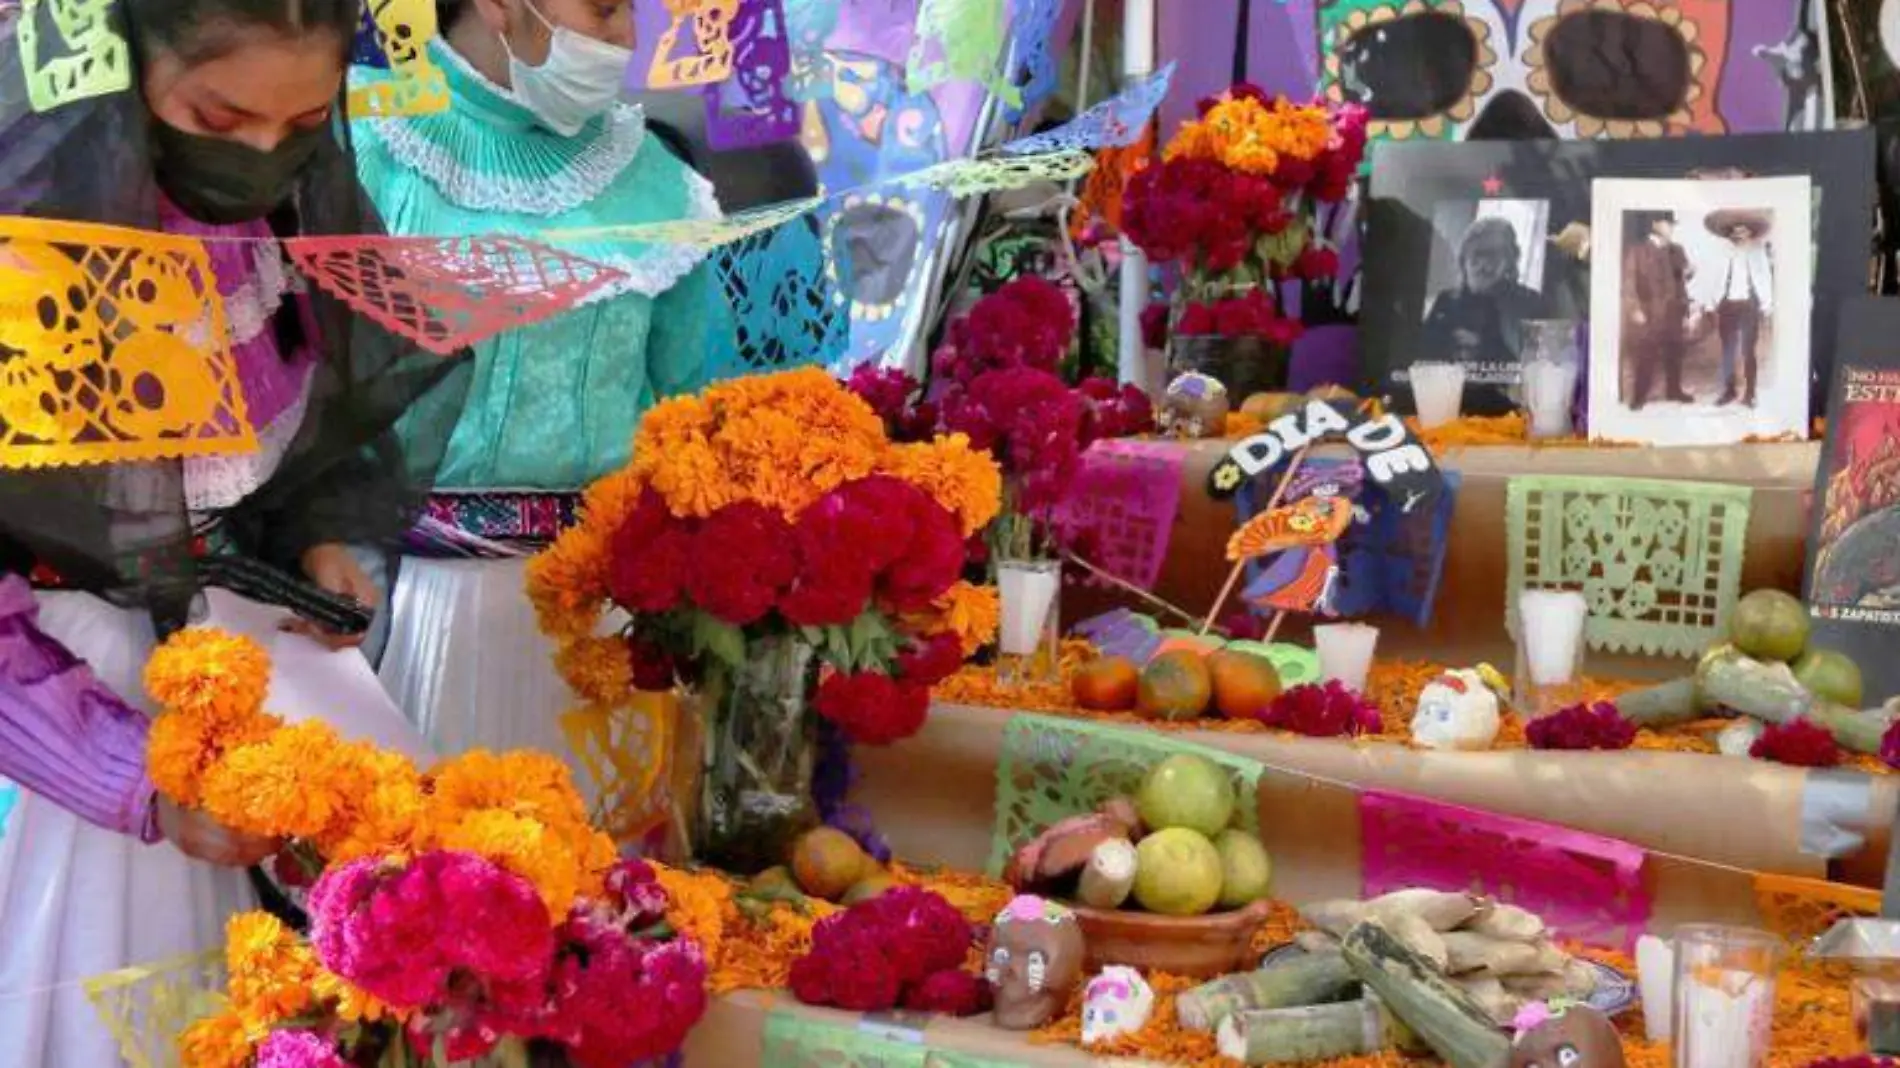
(229, 129)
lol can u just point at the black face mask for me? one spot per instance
(221, 182)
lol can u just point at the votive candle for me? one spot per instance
(1438, 391)
(1549, 390)
(1345, 652)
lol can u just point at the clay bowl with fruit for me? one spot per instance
(1196, 947)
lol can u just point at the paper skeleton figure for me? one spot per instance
(1117, 1002)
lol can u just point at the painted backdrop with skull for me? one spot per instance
(1523, 69)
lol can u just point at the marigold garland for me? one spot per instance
(349, 800)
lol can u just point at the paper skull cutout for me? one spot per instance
(1573, 1037)
(1034, 962)
(1456, 711)
(1117, 1002)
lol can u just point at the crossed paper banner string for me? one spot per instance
(99, 323)
(739, 53)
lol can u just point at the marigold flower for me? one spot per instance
(973, 613)
(220, 677)
(271, 969)
(567, 582)
(286, 786)
(522, 845)
(961, 478)
(223, 1040)
(599, 669)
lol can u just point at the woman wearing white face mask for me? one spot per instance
(536, 139)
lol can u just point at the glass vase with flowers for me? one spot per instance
(773, 548)
(1233, 207)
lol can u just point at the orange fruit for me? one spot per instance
(1266, 407)
(1110, 684)
(827, 862)
(1175, 686)
(1244, 684)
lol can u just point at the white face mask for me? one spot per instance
(580, 79)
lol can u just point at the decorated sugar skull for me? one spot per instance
(1565, 1036)
(1034, 962)
(1457, 710)
(1194, 406)
(1117, 1002)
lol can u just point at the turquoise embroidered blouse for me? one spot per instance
(553, 405)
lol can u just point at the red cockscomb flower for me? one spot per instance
(872, 708)
(1802, 743)
(742, 557)
(1582, 726)
(1324, 711)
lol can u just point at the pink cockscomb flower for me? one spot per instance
(298, 1049)
(400, 932)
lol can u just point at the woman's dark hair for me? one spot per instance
(200, 30)
(447, 11)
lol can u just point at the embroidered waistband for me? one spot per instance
(496, 523)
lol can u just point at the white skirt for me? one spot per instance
(469, 664)
(77, 900)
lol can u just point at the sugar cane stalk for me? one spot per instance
(1769, 692)
(1443, 1016)
(1306, 1033)
(1313, 979)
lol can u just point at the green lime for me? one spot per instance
(1769, 625)
(1186, 790)
(1177, 873)
(1830, 676)
(1246, 870)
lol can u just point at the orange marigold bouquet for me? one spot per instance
(458, 913)
(773, 548)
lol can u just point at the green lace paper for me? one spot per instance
(962, 40)
(83, 56)
(797, 1041)
(146, 1008)
(1051, 769)
(1659, 562)
(975, 177)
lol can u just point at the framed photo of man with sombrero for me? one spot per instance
(1699, 317)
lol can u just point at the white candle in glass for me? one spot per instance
(1656, 981)
(1549, 389)
(1438, 391)
(1028, 593)
(1345, 652)
(1550, 628)
(1723, 1019)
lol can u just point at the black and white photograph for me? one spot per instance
(1700, 295)
(1486, 278)
(1420, 191)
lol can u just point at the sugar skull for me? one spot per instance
(1576, 1036)
(1117, 1002)
(1034, 962)
(1457, 710)
(1194, 406)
